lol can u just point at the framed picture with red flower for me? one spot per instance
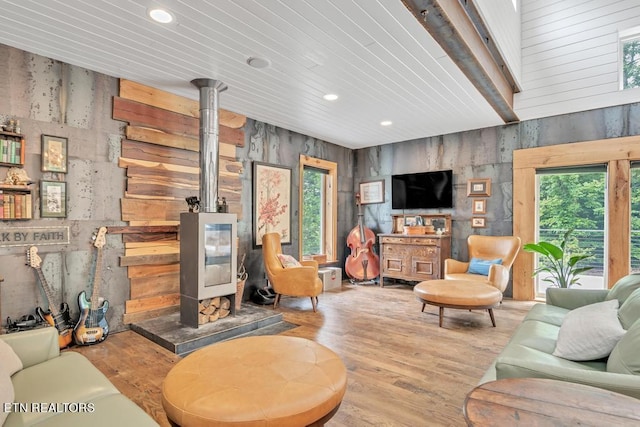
(271, 202)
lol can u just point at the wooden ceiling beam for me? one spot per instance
(450, 25)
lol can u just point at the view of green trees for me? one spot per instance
(312, 211)
(577, 200)
(631, 64)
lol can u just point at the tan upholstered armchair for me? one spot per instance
(486, 248)
(297, 281)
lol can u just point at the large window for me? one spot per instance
(574, 198)
(619, 218)
(318, 207)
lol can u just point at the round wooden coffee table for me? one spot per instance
(463, 294)
(543, 402)
(256, 381)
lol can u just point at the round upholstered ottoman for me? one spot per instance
(256, 381)
(464, 294)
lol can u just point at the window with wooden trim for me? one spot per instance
(318, 208)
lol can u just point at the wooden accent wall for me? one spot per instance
(161, 156)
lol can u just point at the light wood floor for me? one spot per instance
(403, 370)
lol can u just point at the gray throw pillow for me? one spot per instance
(589, 332)
(625, 357)
(629, 312)
(623, 287)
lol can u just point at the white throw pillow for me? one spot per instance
(589, 332)
(9, 360)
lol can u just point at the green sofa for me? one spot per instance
(54, 388)
(529, 352)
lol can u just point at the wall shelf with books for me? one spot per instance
(16, 202)
(11, 149)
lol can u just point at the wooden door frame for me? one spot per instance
(617, 154)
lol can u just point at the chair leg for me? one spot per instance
(276, 301)
(493, 319)
(314, 303)
(441, 316)
(424, 304)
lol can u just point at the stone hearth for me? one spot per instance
(169, 333)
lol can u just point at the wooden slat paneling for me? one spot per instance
(125, 163)
(158, 153)
(152, 248)
(163, 189)
(146, 287)
(149, 237)
(178, 104)
(143, 115)
(162, 161)
(138, 114)
(142, 229)
(149, 210)
(159, 137)
(152, 303)
(139, 271)
(126, 261)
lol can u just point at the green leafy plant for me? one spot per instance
(558, 262)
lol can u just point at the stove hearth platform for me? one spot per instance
(169, 333)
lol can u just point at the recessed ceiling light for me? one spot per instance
(258, 62)
(386, 123)
(160, 15)
(330, 97)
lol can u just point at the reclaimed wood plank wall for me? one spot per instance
(161, 156)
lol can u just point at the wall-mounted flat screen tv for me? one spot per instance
(422, 190)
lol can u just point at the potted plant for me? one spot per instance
(559, 262)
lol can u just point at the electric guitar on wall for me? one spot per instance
(57, 318)
(92, 326)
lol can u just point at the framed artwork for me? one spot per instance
(271, 202)
(54, 154)
(479, 206)
(53, 199)
(479, 187)
(372, 192)
(478, 222)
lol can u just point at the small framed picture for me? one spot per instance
(479, 206)
(479, 187)
(372, 192)
(53, 199)
(54, 154)
(478, 222)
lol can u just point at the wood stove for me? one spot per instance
(208, 254)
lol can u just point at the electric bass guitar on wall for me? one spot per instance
(92, 326)
(57, 318)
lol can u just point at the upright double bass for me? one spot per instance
(362, 264)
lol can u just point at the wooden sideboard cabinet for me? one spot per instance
(413, 257)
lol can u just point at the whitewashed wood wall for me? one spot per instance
(570, 55)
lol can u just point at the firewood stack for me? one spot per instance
(212, 309)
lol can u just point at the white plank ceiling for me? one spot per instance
(372, 53)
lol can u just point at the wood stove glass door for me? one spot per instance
(218, 251)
